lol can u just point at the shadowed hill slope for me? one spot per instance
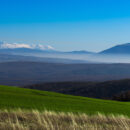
(24, 73)
(123, 96)
(105, 90)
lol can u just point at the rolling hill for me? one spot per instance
(103, 90)
(20, 58)
(14, 98)
(25, 73)
(122, 96)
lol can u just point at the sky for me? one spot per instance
(66, 25)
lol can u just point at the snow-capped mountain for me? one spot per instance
(5, 45)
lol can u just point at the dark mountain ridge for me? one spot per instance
(104, 90)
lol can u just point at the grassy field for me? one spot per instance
(13, 98)
(48, 120)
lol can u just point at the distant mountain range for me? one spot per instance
(13, 52)
(16, 48)
(30, 51)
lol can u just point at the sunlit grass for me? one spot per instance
(14, 98)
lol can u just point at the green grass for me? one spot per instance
(13, 98)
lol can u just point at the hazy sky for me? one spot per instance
(66, 25)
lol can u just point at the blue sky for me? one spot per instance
(66, 25)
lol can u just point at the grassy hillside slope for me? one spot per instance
(12, 98)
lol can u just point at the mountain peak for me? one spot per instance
(118, 49)
(126, 44)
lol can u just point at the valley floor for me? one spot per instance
(48, 120)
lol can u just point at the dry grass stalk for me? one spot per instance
(47, 120)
